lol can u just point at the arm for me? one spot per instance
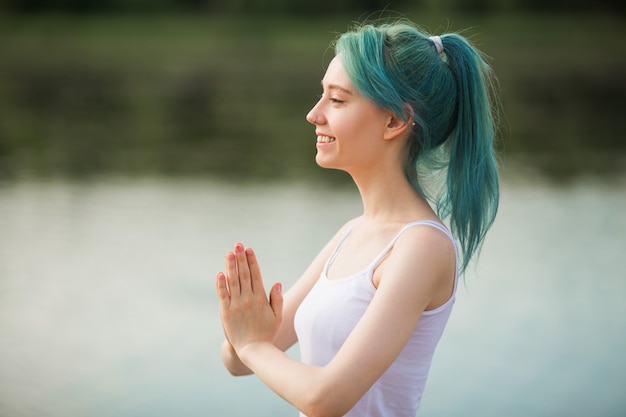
(403, 294)
(286, 335)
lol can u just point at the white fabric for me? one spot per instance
(332, 309)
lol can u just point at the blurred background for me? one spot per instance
(91, 88)
(140, 139)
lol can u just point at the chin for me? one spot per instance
(324, 162)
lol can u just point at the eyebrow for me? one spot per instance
(337, 87)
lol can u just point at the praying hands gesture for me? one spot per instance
(248, 316)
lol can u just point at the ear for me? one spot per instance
(396, 126)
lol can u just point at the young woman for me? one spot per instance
(370, 309)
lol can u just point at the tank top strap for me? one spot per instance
(332, 257)
(431, 223)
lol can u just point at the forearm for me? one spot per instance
(301, 385)
(232, 362)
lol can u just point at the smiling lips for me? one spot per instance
(325, 139)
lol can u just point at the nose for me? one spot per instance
(314, 116)
(311, 116)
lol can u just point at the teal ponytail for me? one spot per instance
(472, 179)
(448, 87)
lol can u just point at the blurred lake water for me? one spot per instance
(107, 304)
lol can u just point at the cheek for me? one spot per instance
(362, 129)
(348, 125)
(356, 122)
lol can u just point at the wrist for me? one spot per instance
(251, 351)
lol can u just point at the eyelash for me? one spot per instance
(331, 99)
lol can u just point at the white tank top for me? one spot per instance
(332, 309)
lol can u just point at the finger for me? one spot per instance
(222, 291)
(232, 278)
(256, 279)
(242, 268)
(276, 300)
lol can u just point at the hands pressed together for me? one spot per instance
(248, 316)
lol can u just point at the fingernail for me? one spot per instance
(238, 247)
(279, 287)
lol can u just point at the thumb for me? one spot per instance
(276, 300)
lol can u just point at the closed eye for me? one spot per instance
(333, 100)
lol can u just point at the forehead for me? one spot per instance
(336, 77)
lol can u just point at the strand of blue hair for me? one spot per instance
(472, 179)
(451, 99)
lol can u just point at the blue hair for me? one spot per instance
(450, 98)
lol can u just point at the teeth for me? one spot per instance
(325, 139)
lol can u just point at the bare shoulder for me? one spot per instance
(423, 259)
(425, 240)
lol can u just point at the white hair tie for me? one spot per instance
(438, 43)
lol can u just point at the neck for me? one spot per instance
(388, 196)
